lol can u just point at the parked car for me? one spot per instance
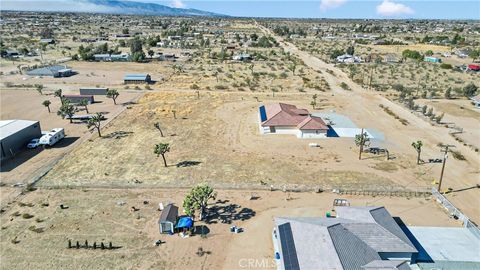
(34, 143)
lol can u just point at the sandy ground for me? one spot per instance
(95, 215)
(27, 105)
(459, 174)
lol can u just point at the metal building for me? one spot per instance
(137, 78)
(93, 91)
(15, 135)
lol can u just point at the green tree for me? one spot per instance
(350, 50)
(439, 118)
(66, 110)
(160, 150)
(429, 53)
(474, 54)
(84, 103)
(418, 147)
(198, 199)
(448, 93)
(58, 93)
(39, 88)
(362, 140)
(157, 126)
(113, 94)
(47, 103)
(470, 90)
(424, 109)
(95, 122)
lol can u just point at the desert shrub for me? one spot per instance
(194, 86)
(27, 216)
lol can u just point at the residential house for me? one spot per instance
(358, 238)
(281, 118)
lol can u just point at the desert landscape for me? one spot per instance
(193, 116)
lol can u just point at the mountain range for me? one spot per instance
(104, 6)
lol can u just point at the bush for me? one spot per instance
(194, 86)
(27, 216)
(446, 66)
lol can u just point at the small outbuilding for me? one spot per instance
(15, 135)
(79, 98)
(55, 71)
(100, 91)
(168, 219)
(137, 78)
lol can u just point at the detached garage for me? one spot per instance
(168, 219)
(15, 135)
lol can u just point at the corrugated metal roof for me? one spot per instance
(10, 127)
(136, 77)
(169, 214)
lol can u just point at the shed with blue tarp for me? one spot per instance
(184, 223)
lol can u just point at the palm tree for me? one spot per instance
(95, 122)
(161, 149)
(418, 147)
(47, 103)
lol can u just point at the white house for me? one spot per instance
(281, 118)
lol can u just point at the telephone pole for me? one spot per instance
(445, 156)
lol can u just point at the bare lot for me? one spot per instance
(27, 105)
(95, 216)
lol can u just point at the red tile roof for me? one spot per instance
(282, 114)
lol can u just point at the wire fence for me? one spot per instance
(456, 213)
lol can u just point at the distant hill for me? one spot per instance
(139, 8)
(103, 6)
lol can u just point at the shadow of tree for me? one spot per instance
(228, 213)
(188, 163)
(117, 134)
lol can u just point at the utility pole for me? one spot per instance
(445, 156)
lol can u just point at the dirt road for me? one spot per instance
(459, 175)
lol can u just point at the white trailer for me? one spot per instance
(52, 137)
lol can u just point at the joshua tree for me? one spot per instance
(84, 103)
(58, 93)
(293, 67)
(95, 123)
(198, 199)
(361, 140)
(424, 109)
(39, 88)
(251, 68)
(47, 103)
(113, 94)
(157, 126)
(161, 149)
(66, 109)
(439, 118)
(174, 114)
(418, 147)
(314, 101)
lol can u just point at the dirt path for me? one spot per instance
(459, 174)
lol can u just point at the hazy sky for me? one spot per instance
(429, 9)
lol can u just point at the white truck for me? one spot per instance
(52, 137)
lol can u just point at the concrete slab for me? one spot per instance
(446, 244)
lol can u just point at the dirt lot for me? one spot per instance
(27, 105)
(96, 216)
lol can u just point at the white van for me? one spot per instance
(52, 137)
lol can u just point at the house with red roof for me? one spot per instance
(282, 118)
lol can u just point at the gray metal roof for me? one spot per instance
(169, 214)
(351, 250)
(378, 238)
(10, 127)
(46, 71)
(136, 77)
(347, 242)
(386, 265)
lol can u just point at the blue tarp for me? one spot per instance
(185, 222)
(263, 114)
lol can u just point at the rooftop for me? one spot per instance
(10, 127)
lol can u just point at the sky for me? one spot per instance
(368, 9)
